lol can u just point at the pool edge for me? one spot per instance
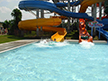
(29, 41)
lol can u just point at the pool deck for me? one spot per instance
(15, 44)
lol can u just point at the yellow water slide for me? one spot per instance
(86, 3)
(46, 24)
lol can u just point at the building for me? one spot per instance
(1, 28)
(1, 24)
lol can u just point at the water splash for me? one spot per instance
(60, 44)
(49, 43)
(86, 45)
(43, 43)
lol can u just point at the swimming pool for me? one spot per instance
(53, 61)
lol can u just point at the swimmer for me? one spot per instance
(54, 39)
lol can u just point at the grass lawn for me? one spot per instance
(32, 35)
(73, 35)
(8, 38)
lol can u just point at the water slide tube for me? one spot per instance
(45, 24)
(86, 3)
(103, 29)
(33, 5)
(82, 30)
(33, 24)
(75, 3)
(83, 34)
(104, 21)
(59, 4)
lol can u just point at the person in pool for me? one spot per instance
(46, 41)
(85, 36)
(54, 39)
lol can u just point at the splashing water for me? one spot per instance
(60, 44)
(49, 43)
(43, 43)
(86, 45)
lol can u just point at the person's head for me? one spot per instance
(54, 39)
(82, 23)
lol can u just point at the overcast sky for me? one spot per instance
(6, 7)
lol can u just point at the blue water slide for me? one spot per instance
(33, 5)
(102, 30)
(75, 3)
(105, 22)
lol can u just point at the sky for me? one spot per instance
(7, 6)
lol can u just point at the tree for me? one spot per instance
(12, 25)
(16, 13)
(6, 24)
(106, 7)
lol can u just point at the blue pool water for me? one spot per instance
(51, 61)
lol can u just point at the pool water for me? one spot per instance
(51, 61)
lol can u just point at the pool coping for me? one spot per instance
(94, 41)
(16, 44)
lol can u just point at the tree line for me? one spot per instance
(12, 25)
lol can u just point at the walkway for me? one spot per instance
(15, 44)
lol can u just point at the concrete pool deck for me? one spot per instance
(15, 44)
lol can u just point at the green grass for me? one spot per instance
(73, 35)
(8, 38)
(32, 35)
